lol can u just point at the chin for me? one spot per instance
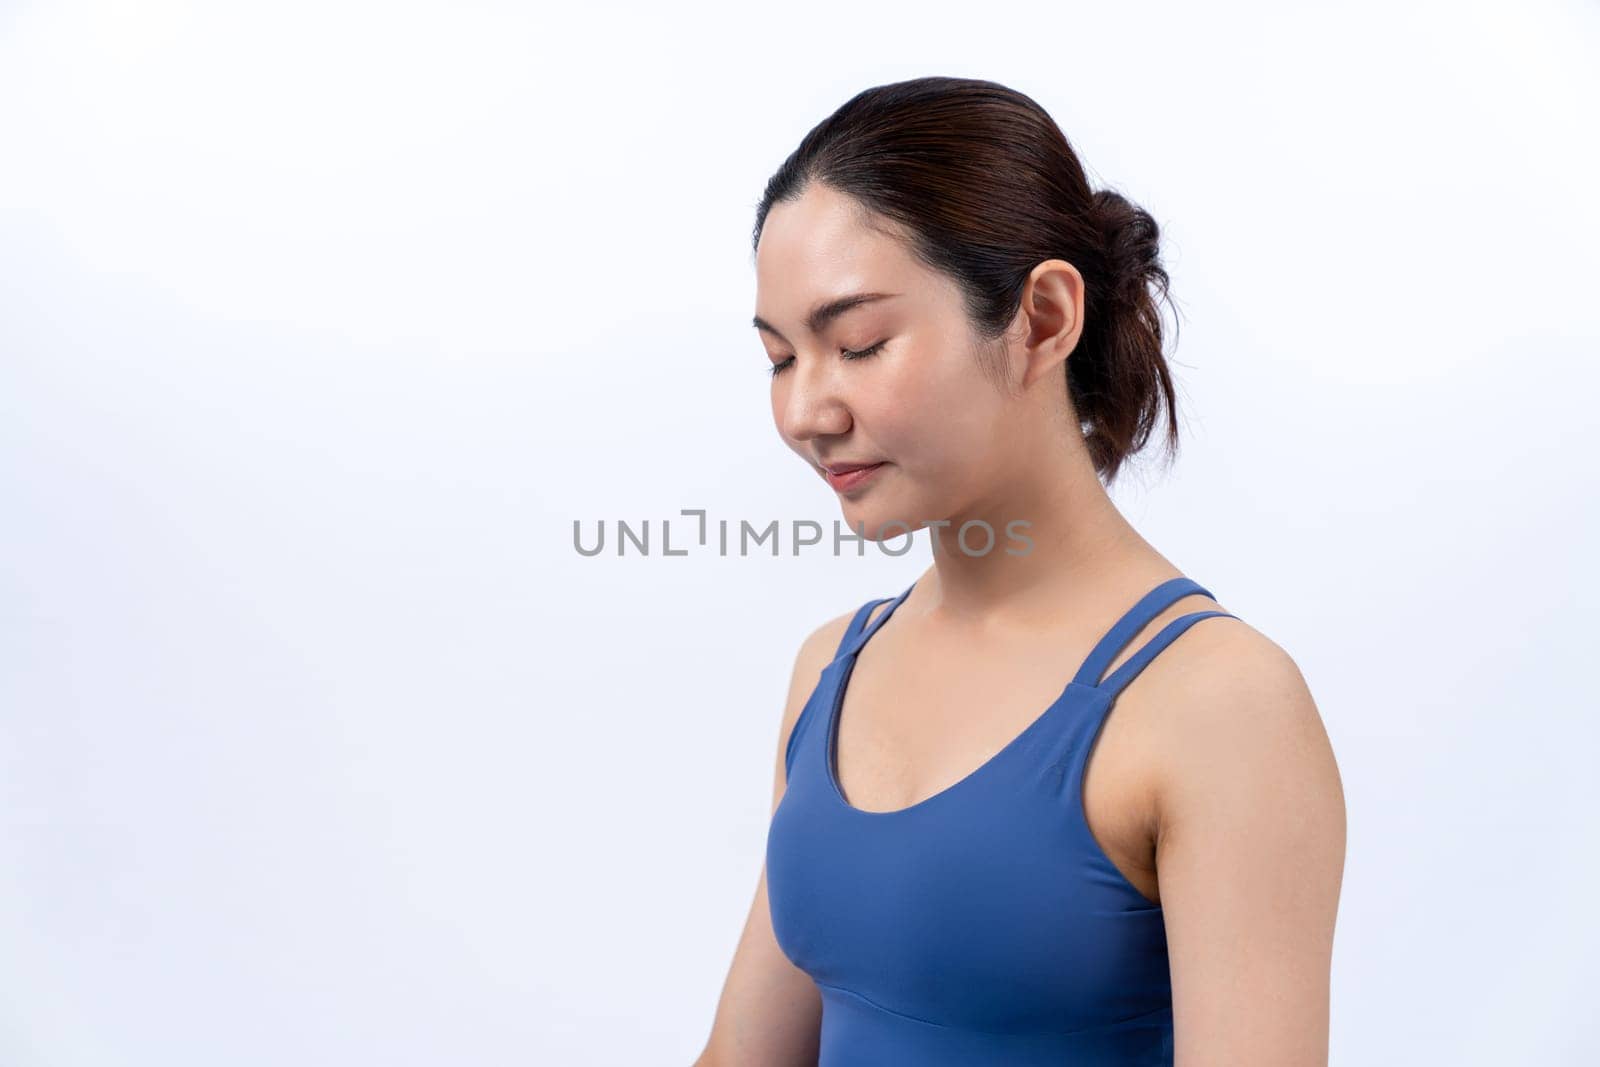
(875, 516)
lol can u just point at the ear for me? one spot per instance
(1052, 312)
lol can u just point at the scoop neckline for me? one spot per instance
(831, 738)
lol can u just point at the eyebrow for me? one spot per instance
(824, 313)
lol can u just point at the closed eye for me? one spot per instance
(780, 367)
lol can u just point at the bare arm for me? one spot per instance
(1250, 855)
(770, 1012)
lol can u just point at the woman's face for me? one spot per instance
(919, 405)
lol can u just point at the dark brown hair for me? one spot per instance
(984, 187)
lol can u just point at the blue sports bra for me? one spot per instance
(983, 925)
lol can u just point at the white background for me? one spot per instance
(321, 323)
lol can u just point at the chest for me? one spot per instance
(918, 719)
(985, 904)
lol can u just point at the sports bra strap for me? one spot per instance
(1136, 663)
(1137, 618)
(859, 634)
(855, 624)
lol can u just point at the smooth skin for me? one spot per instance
(1212, 785)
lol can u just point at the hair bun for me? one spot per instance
(1132, 243)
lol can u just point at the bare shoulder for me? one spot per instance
(1240, 715)
(1250, 849)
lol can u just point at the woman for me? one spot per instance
(964, 336)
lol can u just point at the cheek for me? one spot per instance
(942, 421)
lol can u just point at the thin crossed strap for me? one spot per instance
(851, 633)
(856, 623)
(856, 635)
(1137, 618)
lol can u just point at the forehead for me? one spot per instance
(818, 246)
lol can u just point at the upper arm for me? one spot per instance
(770, 1011)
(1250, 856)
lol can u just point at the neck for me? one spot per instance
(1082, 548)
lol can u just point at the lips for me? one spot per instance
(851, 477)
(846, 468)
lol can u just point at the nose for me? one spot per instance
(808, 402)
